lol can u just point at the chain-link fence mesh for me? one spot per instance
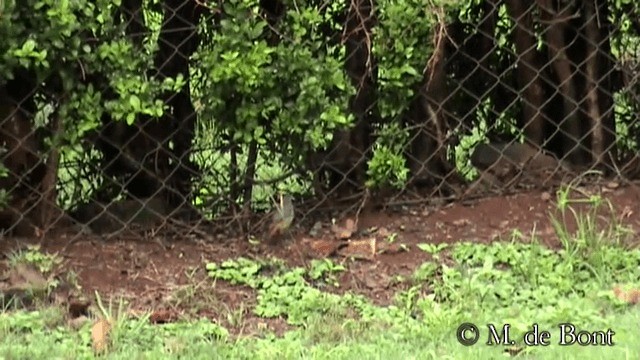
(181, 115)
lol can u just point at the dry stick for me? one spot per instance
(364, 200)
(193, 229)
(427, 201)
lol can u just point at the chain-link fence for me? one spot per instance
(179, 114)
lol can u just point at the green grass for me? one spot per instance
(30, 338)
(518, 284)
(509, 282)
(513, 283)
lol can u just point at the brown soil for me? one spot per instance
(170, 280)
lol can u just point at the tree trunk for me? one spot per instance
(428, 159)
(592, 80)
(22, 162)
(177, 42)
(555, 33)
(528, 71)
(470, 63)
(599, 87)
(124, 147)
(361, 68)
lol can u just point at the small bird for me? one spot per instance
(281, 218)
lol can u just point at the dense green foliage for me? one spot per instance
(280, 86)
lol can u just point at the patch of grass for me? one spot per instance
(30, 278)
(195, 295)
(33, 255)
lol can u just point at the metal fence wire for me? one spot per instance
(180, 114)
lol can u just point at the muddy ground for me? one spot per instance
(168, 277)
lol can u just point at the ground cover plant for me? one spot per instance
(590, 279)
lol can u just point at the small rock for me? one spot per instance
(345, 232)
(322, 248)
(315, 229)
(30, 274)
(461, 222)
(369, 231)
(613, 185)
(360, 249)
(546, 196)
(383, 232)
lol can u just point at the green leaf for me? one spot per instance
(134, 101)
(429, 248)
(131, 118)
(29, 45)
